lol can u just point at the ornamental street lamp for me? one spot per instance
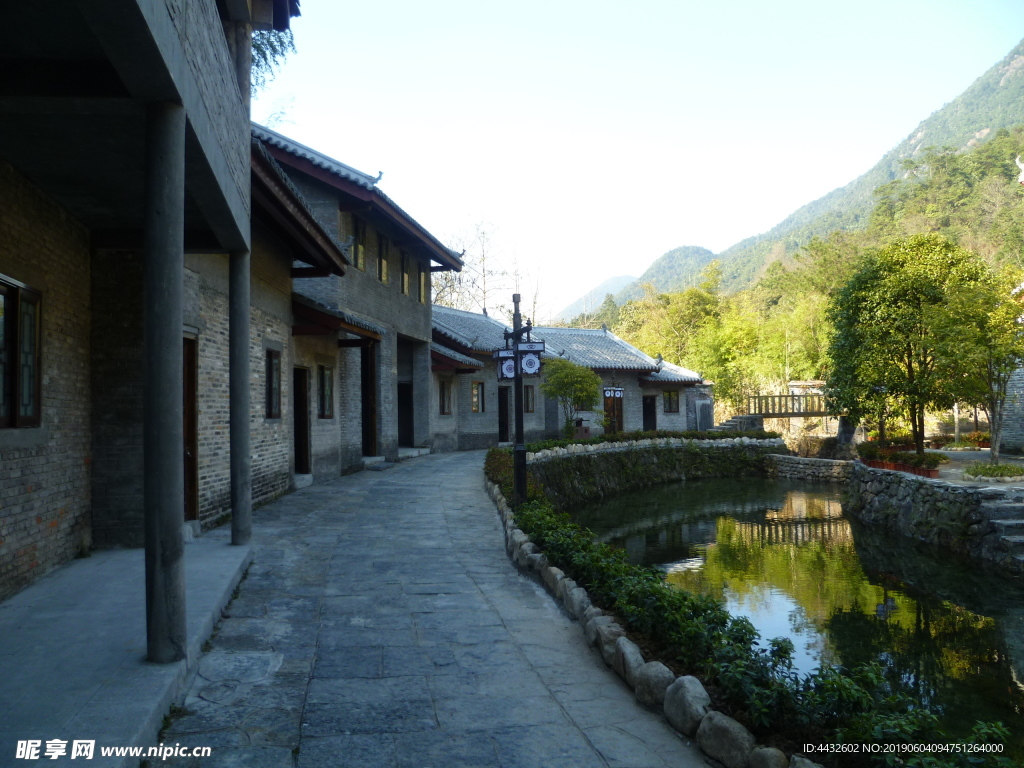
(521, 359)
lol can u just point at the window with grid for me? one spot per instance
(359, 244)
(477, 400)
(671, 401)
(445, 397)
(424, 285)
(273, 379)
(20, 355)
(325, 391)
(528, 398)
(383, 254)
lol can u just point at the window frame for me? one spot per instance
(424, 285)
(359, 243)
(383, 251)
(670, 401)
(325, 391)
(405, 274)
(272, 395)
(16, 295)
(444, 397)
(478, 400)
(529, 399)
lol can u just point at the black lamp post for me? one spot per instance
(525, 359)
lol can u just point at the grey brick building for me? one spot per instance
(378, 313)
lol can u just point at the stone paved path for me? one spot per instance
(381, 624)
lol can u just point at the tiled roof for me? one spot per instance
(348, 173)
(671, 373)
(348, 317)
(320, 160)
(451, 354)
(598, 349)
(470, 329)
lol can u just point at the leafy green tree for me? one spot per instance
(269, 50)
(987, 341)
(575, 387)
(894, 330)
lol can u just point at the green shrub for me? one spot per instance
(978, 437)
(984, 469)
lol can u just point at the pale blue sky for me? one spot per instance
(593, 137)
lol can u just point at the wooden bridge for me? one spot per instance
(787, 406)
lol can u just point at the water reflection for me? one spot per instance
(783, 555)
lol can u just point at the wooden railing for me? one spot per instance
(782, 406)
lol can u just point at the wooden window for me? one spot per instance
(444, 392)
(20, 355)
(383, 253)
(273, 409)
(671, 401)
(424, 285)
(325, 391)
(405, 274)
(478, 397)
(528, 398)
(359, 245)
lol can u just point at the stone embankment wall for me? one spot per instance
(588, 472)
(815, 470)
(967, 520)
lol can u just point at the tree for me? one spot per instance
(575, 387)
(988, 342)
(480, 278)
(269, 50)
(894, 332)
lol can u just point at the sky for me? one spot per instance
(591, 138)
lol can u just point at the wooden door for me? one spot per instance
(613, 412)
(406, 431)
(300, 398)
(368, 390)
(650, 413)
(190, 428)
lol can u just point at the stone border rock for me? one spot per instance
(986, 479)
(653, 442)
(682, 700)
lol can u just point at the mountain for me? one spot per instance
(592, 299)
(995, 100)
(676, 270)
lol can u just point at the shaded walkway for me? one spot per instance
(381, 624)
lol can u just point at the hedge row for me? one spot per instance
(627, 437)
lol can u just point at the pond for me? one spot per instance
(782, 554)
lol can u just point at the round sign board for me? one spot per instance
(508, 368)
(531, 364)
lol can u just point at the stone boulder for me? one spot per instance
(551, 577)
(577, 602)
(627, 660)
(802, 762)
(725, 740)
(652, 680)
(523, 551)
(607, 636)
(591, 626)
(590, 613)
(686, 704)
(768, 757)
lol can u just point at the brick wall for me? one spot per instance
(668, 421)
(1013, 415)
(116, 367)
(44, 472)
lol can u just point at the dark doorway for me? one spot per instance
(368, 389)
(650, 413)
(190, 429)
(405, 408)
(300, 391)
(504, 436)
(613, 412)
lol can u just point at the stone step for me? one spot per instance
(1013, 544)
(994, 510)
(1009, 527)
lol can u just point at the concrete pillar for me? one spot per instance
(163, 299)
(239, 369)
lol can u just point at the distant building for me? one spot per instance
(473, 409)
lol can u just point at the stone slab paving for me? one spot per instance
(381, 624)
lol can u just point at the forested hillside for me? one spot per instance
(590, 301)
(757, 339)
(674, 271)
(995, 100)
